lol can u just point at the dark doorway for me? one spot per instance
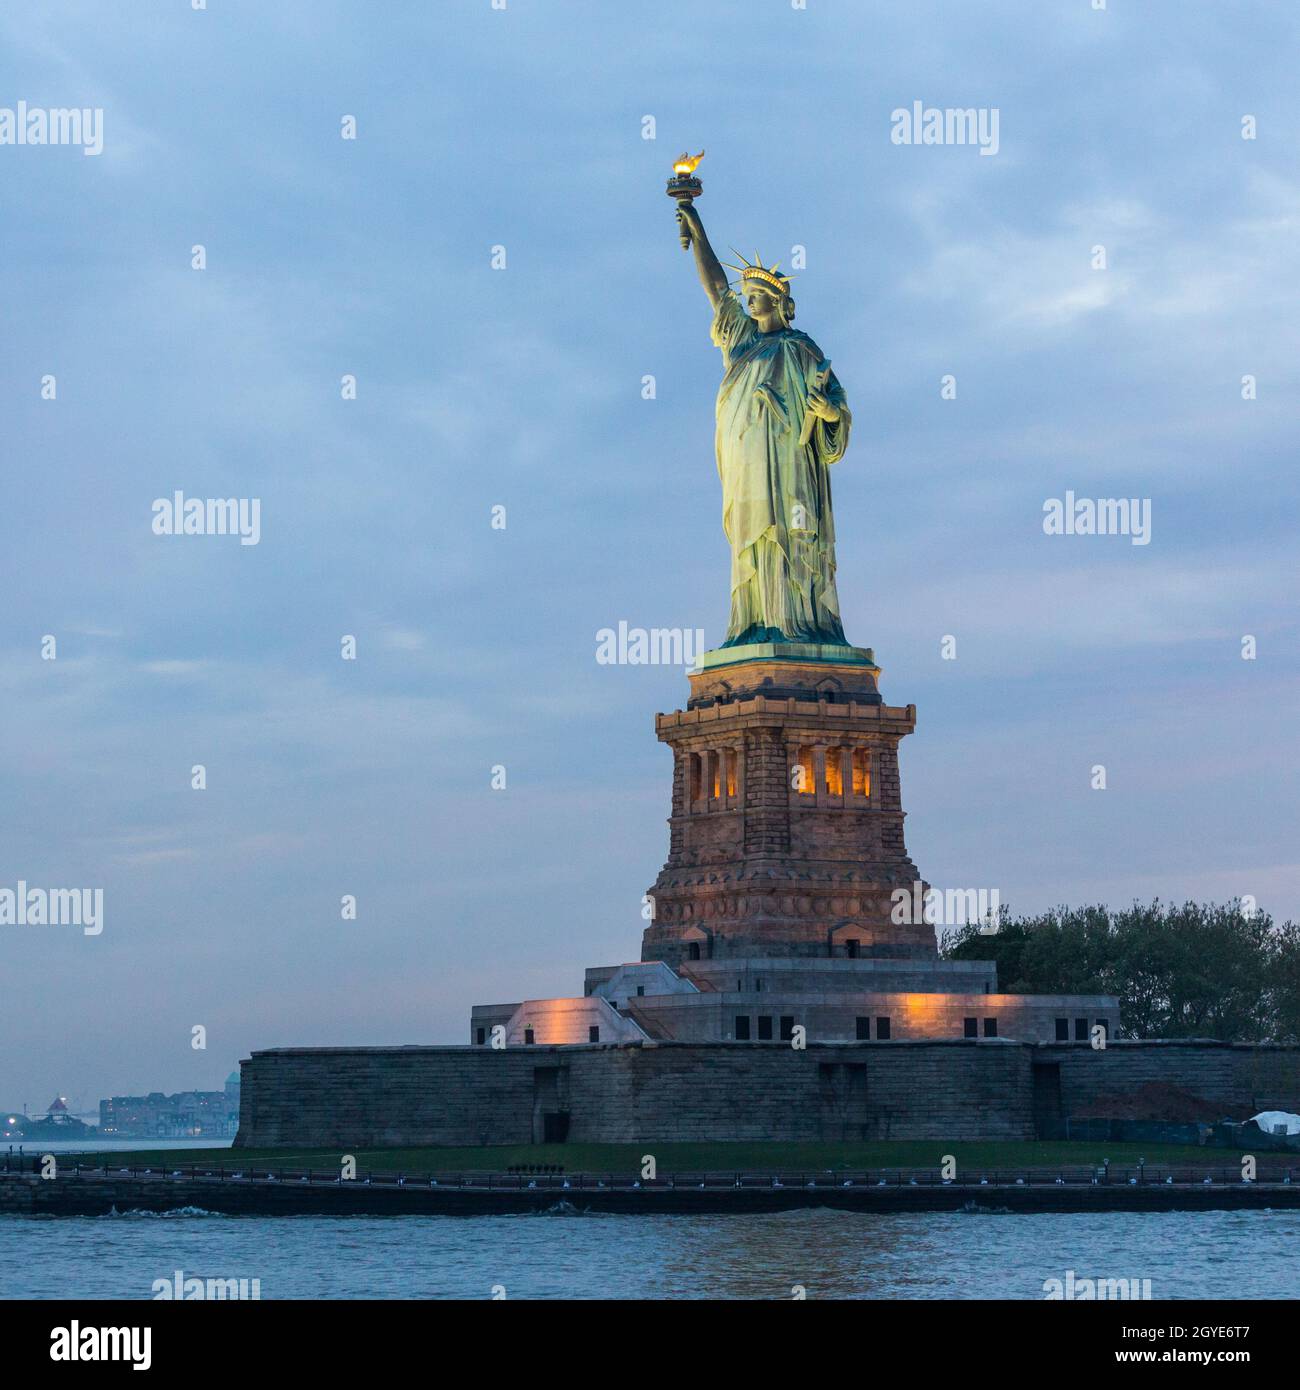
(1047, 1099)
(842, 1100)
(550, 1105)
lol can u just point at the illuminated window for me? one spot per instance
(715, 775)
(697, 777)
(861, 772)
(733, 769)
(835, 772)
(802, 777)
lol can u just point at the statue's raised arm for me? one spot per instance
(707, 266)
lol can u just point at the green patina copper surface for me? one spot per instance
(782, 421)
(825, 653)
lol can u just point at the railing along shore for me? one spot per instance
(559, 1182)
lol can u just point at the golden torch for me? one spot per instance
(684, 186)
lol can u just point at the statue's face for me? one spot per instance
(764, 307)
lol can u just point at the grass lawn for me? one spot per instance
(688, 1158)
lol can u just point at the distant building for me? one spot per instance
(58, 1122)
(185, 1115)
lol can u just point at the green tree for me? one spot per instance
(1195, 971)
(1284, 983)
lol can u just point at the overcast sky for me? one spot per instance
(522, 387)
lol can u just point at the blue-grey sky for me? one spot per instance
(522, 387)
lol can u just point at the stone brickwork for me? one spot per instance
(786, 833)
(843, 1017)
(1241, 1078)
(583, 1019)
(357, 1097)
(669, 1092)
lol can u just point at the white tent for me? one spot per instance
(1269, 1120)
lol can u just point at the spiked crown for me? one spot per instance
(756, 270)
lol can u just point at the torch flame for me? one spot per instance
(685, 163)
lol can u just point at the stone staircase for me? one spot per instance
(700, 983)
(647, 1023)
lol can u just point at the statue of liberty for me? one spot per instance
(782, 421)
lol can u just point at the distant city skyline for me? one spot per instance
(524, 388)
(82, 1106)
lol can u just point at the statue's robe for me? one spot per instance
(776, 493)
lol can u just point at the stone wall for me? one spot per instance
(668, 1092)
(913, 1017)
(818, 997)
(959, 1090)
(1241, 1078)
(833, 1016)
(546, 1021)
(769, 1091)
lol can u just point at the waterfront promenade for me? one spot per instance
(234, 1189)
